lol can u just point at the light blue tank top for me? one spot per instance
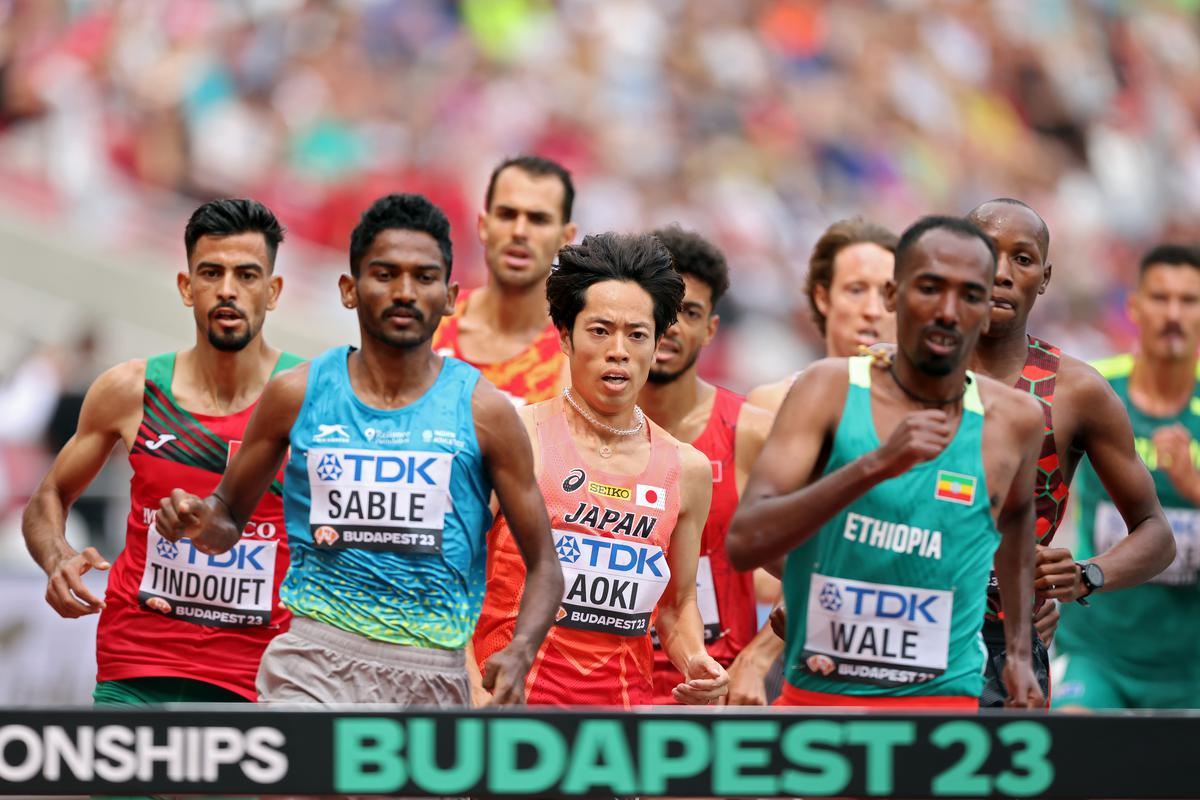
(387, 510)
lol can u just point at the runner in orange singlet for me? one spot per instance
(503, 329)
(627, 501)
(730, 432)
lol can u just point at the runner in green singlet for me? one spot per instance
(1139, 648)
(891, 491)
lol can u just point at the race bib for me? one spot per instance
(1185, 524)
(229, 590)
(610, 586)
(394, 501)
(876, 633)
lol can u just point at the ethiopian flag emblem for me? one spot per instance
(955, 488)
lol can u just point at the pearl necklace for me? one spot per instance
(605, 450)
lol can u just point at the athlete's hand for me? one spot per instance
(1174, 451)
(1046, 621)
(747, 683)
(206, 522)
(920, 437)
(1022, 685)
(1056, 575)
(504, 675)
(706, 681)
(65, 590)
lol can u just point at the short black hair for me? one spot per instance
(1173, 255)
(1043, 228)
(638, 258)
(694, 255)
(537, 166)
(229, 217)
(405, 212)
(956, 225)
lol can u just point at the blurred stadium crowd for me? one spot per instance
(756, 122)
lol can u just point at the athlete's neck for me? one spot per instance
(513, 312)
(933, 391)
(1002, 357)
(1162, 387)
(217, 382)
(672, 405)
(392, 377)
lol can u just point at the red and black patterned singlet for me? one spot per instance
(1051, 490)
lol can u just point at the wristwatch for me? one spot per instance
(1092, 577)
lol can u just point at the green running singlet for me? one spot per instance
(887, 598)
(1146, 639)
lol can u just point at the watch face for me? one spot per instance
(1094, 575)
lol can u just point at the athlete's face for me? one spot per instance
(1022, 268)
(230, 287)
(1166, 308)
(401, 291)
(680, 346)
(611, 346)
(523, 229)
(853, 305)
(942, 300)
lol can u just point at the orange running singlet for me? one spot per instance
(531, 376)
(612, 533)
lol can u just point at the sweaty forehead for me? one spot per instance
(239, 248)
(518, 189)
(1008, 222)
(623, 302)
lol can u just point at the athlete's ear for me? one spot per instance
(569, 232)
(481, 227)
(451, 298)
(275, 287)
(348, 288)
(889, 296)
(714, 322)
(565, 343)
(1046, 277)
(820, 299)
(184, 283)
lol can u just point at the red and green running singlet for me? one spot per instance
(172, 611)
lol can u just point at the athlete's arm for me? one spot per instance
(782, 505)
(1106, 436)
(769, 396)
(748, 672)
(215, 523)
(111, 412)
(1014, 558)
(509, 459)
(680, 628)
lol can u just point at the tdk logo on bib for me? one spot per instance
(610, 555)
(379, 468)
(864, 600)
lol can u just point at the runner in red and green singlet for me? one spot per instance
(1082, 416)
(176, 624)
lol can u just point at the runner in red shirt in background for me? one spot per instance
(627, 501)
(176, 624)
(730, 433)
(504, 328)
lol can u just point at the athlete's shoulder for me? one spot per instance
(769, 396)
(121, 383)
(754, 421)
(1019, 411)
(694, 466)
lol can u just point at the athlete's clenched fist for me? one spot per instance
(920, 437)
(208, 522)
